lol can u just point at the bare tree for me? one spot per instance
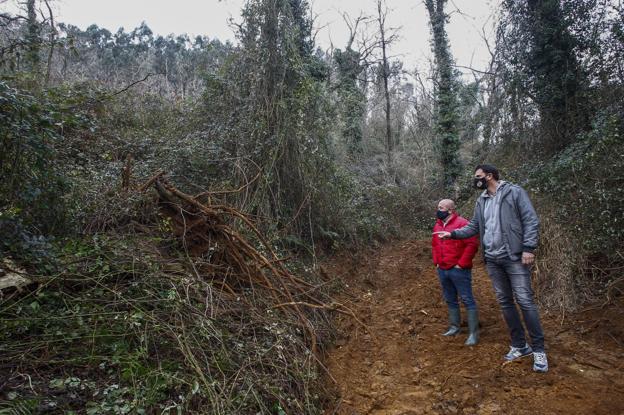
(386, 36)
(384, 41)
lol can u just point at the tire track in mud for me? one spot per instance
(401, 365)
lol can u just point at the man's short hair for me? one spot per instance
(488, 169)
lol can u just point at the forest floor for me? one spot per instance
(401, 364)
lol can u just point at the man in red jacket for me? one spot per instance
(453, 260)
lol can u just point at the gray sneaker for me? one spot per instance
(540, 363)
(518, 352)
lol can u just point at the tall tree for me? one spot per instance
(277, 80)
(447, 118)
(384, 41)
(32, 38)
(558, 79)
(350, 64)
(351, 98)
(542, 50)
(52, 40)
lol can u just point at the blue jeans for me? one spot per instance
(456, 282)
(512, 280)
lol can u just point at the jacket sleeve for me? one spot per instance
(434, 251)
(470, 248)
(530, 221)
(471, 229)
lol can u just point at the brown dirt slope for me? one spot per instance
(402, 365)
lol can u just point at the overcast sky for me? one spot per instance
(210, 17)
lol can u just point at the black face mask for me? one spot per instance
(442, 214)
(479, 183)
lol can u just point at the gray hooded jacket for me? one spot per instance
(519, 224)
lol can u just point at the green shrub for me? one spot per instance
(585, 183)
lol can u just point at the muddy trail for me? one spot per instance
(402, 365)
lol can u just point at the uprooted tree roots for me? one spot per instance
(191, 310)
(231, 261)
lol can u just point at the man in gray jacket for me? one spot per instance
(508, 227)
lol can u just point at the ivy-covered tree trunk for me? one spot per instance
(32, 38)
(278, 81)
(446, 116)
(557, 78)
(542, 54)
(351, 98)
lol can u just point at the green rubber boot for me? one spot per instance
(473, 327)
(454, 322)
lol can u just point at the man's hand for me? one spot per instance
(443, 234)
(528, 258)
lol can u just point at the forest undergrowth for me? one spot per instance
(167, 202)
(177, 309)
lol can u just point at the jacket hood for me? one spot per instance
(503, 188)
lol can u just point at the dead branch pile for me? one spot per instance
(206, 230)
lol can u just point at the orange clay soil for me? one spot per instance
(401, 364)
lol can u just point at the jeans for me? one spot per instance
(456, 281)
(512, 280)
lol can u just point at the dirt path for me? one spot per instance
(404, 366)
